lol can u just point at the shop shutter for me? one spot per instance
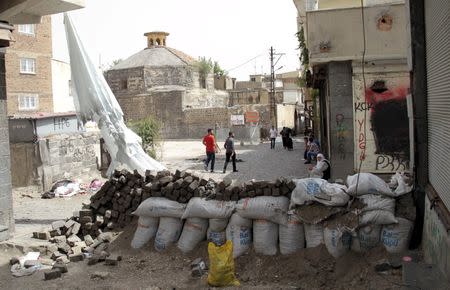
(437, 31)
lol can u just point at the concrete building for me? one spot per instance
(362, 111)
(61, 87)
(167, 84)
(17, 12)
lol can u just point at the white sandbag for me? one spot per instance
(265, 235)
(218, 238)
(291, 235)
(398, 182)
(194, 231)
(396, 237)
(209, 208)
(313, 235)
(379, 210)
(319, 190)
(239, 231)
(218, 225)
(168, 232)
(160, 207)
(272, 208)
(368, 184)
(336, 241)
(367, 237)
(145, 231)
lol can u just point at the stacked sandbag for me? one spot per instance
(269, 208)
(146, 230)
(309, 190)
(291, 236)
(239, 232)
(366, 238)
(216, 232)
(194, 231)
(396, 237)
(169, 231)
(313, 235)
(209, 209)
(265, 235)
(336, 241)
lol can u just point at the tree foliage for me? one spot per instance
(149, 131)
(218, 71)
(204, 66)
(304, 53)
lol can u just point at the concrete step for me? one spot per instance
(418, 275)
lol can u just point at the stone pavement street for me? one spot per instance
(258, 161)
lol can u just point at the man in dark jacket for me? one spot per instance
(230, 152)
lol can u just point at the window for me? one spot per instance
(28, 65)
(28, 102)
(26, 29)
(123, 84)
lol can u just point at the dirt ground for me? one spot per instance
(310, 268)
(146, 268)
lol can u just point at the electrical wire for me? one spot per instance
(363, 155)
(259, 55)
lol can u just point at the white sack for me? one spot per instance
(292, 236)
(95, 101)
(398, 181)
(209, 209)
(313, 235)
(168, 232)
(265, 237)
(337, 242)
(145, 231)
(272, 208)
(368, 184)
(218, 238)
(319, 190)
(367, 237)
(160, 207)
(194, 231)
(239, 231)
(379, 210)
(396, 237)
(218, 225)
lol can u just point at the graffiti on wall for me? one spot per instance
(341, 131)
(382, 126)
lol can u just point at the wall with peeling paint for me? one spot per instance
(436, 240)
(381, 118)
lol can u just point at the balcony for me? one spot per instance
(337, 34)
(31, 11)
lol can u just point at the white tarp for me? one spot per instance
(95, 101)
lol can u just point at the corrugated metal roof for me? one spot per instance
(40, 115)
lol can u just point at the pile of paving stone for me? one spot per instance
(86, 234)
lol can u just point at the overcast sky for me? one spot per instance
(231, 32)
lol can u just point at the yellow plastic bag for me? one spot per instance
(221, 268)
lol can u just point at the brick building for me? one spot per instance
(29, 69)
(166, 83)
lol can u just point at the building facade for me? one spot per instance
(28, 64)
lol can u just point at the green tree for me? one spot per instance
(204, 68)
(218, 71)
(149, 131)
(304, 56)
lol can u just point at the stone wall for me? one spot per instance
(38, 47)
(169, 76)
(126, 81)
(68, 156)
(341, 119)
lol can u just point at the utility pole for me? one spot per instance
(273, 103)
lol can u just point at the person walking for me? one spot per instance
(283, 134)
(210, 143)
(273, 137)
(322, 169)
(230, 152)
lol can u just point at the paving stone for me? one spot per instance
(61, 267)
(52, 274)
(76, 257)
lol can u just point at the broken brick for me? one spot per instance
(52, 274)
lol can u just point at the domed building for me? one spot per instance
(167, 84)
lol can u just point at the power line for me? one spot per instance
(244, 63)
